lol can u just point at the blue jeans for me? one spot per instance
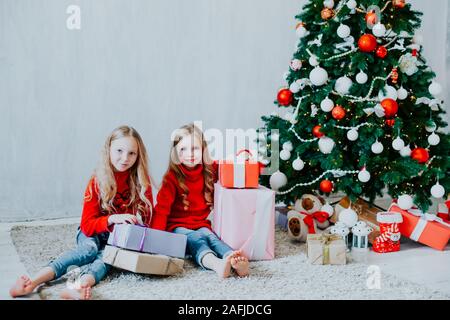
(203, 241)
(87, 255)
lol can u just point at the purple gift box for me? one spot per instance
(281, 220)
(142, 239)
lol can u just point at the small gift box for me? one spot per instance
(139, 262)
(425, 228)
(281, 218)
(326, 249)
(240, 172)
(140, 238)
(245, 219)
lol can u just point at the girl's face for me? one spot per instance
(189, 150)
(123, 153)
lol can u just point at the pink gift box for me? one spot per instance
(245, 219)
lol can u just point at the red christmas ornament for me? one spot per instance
(285, 97)
(371, 18)
(367, 43)
(390, 107)
(381, 52)
(316, 131)
(338, 112)
(414, 52)
(390, 122)
(326, 186)
(421, 155)
(399, 4)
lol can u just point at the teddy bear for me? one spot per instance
(310, 214)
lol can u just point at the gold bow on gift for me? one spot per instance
(325, 240)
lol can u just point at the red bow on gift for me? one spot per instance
(320, 216)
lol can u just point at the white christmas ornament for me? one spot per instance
(348, 217)
(318, 76)
(327, 105)
(294, 87)
(343, 31)
(364, 175)
(402, 94)
(301, 32)
(288, 116)
(343, 85)
(435, 88)
(285, 155)
(302, 83)
(328, 209)
(405, 202)
(377, 147)
(313, 61)
(277, 180)
(391, 93)
(298, 164)
(431, 127)
(379, 30)
(351, 4)
(437, 191)
(296, 64)
(352, 134)
(433, 139)
(328, 4)
(361, 77)
(408, 64)
(398, 144)
(326, 145)
(405, 151)
(288, 146)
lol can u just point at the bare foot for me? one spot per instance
(240, 263)
(84, 293)
(224, 269)
(22, 287)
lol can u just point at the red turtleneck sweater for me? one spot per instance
(170, 212)
(94, 219)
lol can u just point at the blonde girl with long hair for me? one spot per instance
(185, 200)
(119, 191)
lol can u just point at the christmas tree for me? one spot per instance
(360, 112)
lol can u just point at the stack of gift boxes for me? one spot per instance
(244, 211)
(143, 250)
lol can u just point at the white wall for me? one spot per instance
(154, 65)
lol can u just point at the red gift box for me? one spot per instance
(425, 228)
(239, 172)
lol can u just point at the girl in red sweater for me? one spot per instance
(118, 192)
(185, 201)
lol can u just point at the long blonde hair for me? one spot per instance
(208, 170)
(139, 180)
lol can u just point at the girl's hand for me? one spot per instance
(122, 218)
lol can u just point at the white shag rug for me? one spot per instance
(288, 276)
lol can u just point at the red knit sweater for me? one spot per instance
(170, 211)
(94, 219)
